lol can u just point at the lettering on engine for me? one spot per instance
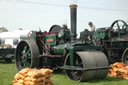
(49, 40)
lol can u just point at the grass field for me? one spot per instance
(7, 72)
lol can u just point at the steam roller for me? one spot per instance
(60, 49)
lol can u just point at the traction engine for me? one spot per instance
(60, 49)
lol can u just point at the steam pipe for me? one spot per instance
(73, 14)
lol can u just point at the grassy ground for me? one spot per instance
(7, 72)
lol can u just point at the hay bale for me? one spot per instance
(119, 70)
(33, 77)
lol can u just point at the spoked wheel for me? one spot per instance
(125, 56)
(120, 26)
(87, 60)
(27, 54)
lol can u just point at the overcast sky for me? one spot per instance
(32, 14)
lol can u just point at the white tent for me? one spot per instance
(9, 35)
(14, 34)
(12, 37)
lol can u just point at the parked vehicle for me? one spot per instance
(8, 43)
(7, 52)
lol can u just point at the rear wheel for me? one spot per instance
(125, 56)
(27, 54)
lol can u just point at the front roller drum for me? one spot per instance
(87, 60)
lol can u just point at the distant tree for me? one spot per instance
(20, 28)
(3, 29)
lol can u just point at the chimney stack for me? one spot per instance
(73, 14)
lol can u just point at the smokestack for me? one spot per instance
(73, 13)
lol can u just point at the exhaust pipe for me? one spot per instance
(73, 14)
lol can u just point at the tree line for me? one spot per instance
(3, 29)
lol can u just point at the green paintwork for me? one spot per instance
(87, 48)
(100, 33)
(26, 56)
(53, 37)
(61, 34)
(64, 34)
(32, 36)
(71, 54)
(60, 49)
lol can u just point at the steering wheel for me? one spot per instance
(119, 26)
